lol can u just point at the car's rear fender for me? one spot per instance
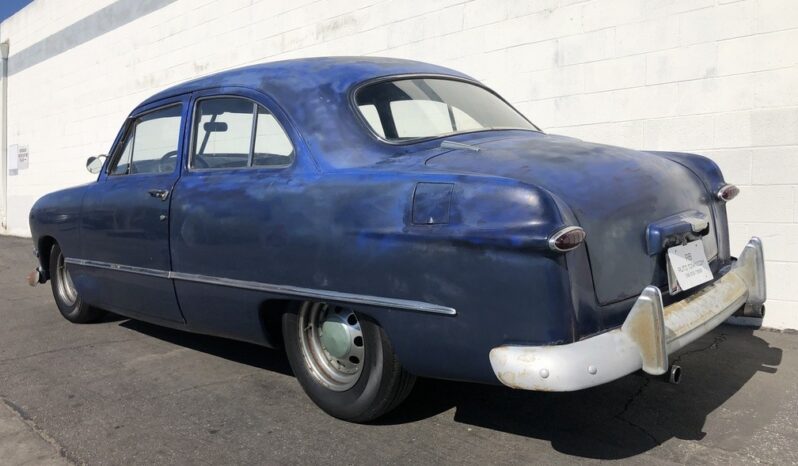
(489, 262)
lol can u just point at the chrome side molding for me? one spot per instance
(118, 267)
(288, 290)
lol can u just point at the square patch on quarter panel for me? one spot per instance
(431, 203)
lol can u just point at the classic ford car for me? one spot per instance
(386, 219)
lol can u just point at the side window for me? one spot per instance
(272, 146)
(123, 162)
(223, 130)
(151, 144)
(231, 132)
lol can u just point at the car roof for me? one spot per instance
(314, 95)
(338, 73)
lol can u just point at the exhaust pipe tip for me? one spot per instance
(674, 374)
(754, 310)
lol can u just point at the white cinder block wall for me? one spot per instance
(716, 77)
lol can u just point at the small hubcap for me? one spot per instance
(332, 344)
(336, 337)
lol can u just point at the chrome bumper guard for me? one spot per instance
(650, 333)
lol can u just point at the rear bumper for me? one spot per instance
(650, 333)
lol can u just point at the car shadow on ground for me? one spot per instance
(618, 420)
(237, 351)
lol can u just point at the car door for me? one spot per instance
(125, 217)
(234, 209)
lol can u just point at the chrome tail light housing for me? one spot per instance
(567, 239)
(727, 192)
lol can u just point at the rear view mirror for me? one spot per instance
(95, 163)
(215, 127)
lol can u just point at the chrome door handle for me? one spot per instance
(161, 194)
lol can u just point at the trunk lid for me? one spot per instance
(615, 193)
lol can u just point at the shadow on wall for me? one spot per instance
(619, 420)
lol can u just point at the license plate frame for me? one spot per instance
(687, 266)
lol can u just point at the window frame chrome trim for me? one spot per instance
(251, 156)
(289, 290)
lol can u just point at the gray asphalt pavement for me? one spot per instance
(125, 392)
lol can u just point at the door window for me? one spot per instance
(223, 129)
(231, 132)
(272, 146)
(151, 143)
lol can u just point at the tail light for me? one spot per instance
(567, 239)
(727, 192)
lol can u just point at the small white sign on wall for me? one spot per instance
(18, 158)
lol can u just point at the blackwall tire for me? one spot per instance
(66, 296)
(381, 385)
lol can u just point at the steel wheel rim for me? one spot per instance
(334, 359)
(66, 288)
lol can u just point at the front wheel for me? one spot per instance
(66, 295)
(344, 361)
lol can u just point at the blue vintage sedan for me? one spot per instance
(386, 219)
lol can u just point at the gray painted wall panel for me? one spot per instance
(96, 24)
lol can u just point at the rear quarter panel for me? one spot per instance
(353, 232)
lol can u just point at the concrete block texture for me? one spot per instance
(715, 77)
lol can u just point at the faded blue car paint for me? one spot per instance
(342, 218)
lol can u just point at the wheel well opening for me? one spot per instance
(271, 318)
(45, 245)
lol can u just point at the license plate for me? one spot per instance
(688, 266)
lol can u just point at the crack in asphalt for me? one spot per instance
(628, 405)
(23, 416)
(714, 345)
(716, 341)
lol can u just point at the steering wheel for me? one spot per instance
(163, 167)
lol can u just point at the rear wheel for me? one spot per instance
(344, 361)
(66, 295)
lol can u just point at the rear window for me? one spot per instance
(407, 109)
